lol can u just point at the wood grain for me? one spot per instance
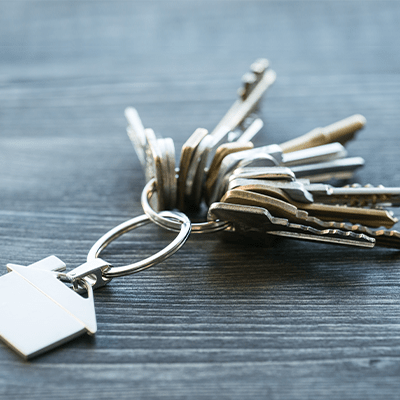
(220, 319)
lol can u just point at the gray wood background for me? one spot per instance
(218, 319)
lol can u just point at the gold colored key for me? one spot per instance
(222, 151)
(341, 131)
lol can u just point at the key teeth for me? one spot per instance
(335, 231)
(383, 237)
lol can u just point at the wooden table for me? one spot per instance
(218, 319)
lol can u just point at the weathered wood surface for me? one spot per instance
(217, 320)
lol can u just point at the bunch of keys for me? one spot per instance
(274, 190)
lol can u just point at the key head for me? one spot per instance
(222, 151)
(283, 190)
(38, 312)
(188, 150)
(245, 218)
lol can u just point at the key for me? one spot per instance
(355, 195)
(167, 164)
(248, 134)
(324, 153)
(154, 167)
(280, 208)
(196, 173)
(188, 150)
(163, 187)
(157, 157)
(222, 151)
(250, 79)
(323, 172)
(243, 107)
(136, 134)
(341, 131)
(258, 221)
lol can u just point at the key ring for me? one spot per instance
(182, 221)
(60, 307)
(170, 224)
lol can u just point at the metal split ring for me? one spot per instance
(162, 220)
(181, 220)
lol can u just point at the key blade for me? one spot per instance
(251, 131)
(336, 169)
(341, 131)
(313, 155)
(356, 195)
(242, 108)
(136, 134)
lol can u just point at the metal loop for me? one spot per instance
(93, 271)
(167, 223)
(181, 219)
(79, 285)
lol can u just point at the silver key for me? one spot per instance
(187, 153)
(137, 134)
(196, 175)
(243, 107)
(336, 169)
(355, 195)
(248, 134)
(324, 153)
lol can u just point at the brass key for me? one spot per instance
(258, 221)
(368, 217)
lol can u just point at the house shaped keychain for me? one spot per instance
(40, 312)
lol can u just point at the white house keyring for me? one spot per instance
(39, 312)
